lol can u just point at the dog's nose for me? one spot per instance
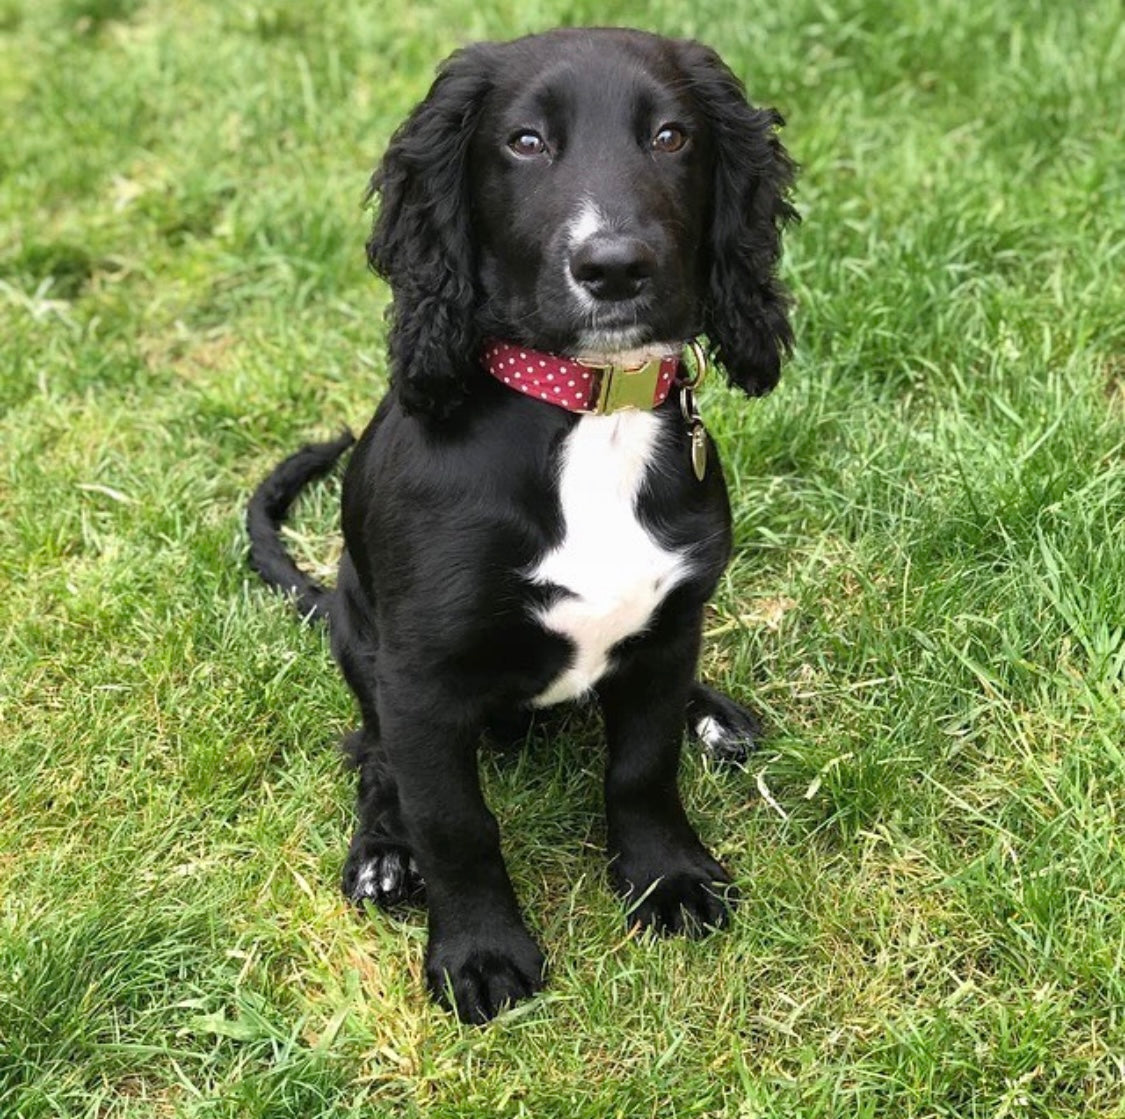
(613, 268)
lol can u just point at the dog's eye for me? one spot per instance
(668, 138)
(527, 143)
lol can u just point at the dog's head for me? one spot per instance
(588, 192)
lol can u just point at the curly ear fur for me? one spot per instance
(746, 313)
(421, 241)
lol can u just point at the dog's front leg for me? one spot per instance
(480, 956)
(658, 864)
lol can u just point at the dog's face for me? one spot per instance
(583, 191)
(589, 179)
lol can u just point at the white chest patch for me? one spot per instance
(616, 572)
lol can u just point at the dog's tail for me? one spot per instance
(266, 512)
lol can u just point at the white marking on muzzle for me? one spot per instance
(586, 223)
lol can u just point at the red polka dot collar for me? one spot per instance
(581, 386)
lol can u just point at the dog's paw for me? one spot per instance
(381, 873)
(693, 899)
(725, 741)
(727, 731)
(480, 976)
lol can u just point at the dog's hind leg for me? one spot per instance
(727, 730)
(380, 867)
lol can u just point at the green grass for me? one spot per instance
(927, 601)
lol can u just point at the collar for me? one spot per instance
(582, 386)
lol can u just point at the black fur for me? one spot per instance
(452, 494)
(421, 243)
(266, 512)
(746, 311)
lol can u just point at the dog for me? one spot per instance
(535, 515)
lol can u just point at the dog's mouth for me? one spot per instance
(647, 322)
(612, 339)
(553, 319)
(627, 346)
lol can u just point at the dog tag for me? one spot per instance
(699, 449)
(696, 431)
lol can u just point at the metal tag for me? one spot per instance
(696, 431)
(699, 449)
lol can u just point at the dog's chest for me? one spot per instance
(615, 571)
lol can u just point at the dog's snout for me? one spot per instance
(613, 268)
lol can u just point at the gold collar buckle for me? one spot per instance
(620, 388)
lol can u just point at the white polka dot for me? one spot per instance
(517, 374)
(571, 383)
(511, 361)
(550, 376)
(557, 389)
(542, 365)
(543, 395)
(523, 355)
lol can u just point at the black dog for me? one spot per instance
(535, 513)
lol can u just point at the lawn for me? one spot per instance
(927, 600)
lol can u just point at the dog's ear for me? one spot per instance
(421, 240)
(746, 312)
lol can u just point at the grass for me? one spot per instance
(927, 599)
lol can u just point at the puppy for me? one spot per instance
(535, 514)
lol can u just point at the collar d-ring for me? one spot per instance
(699, 361)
